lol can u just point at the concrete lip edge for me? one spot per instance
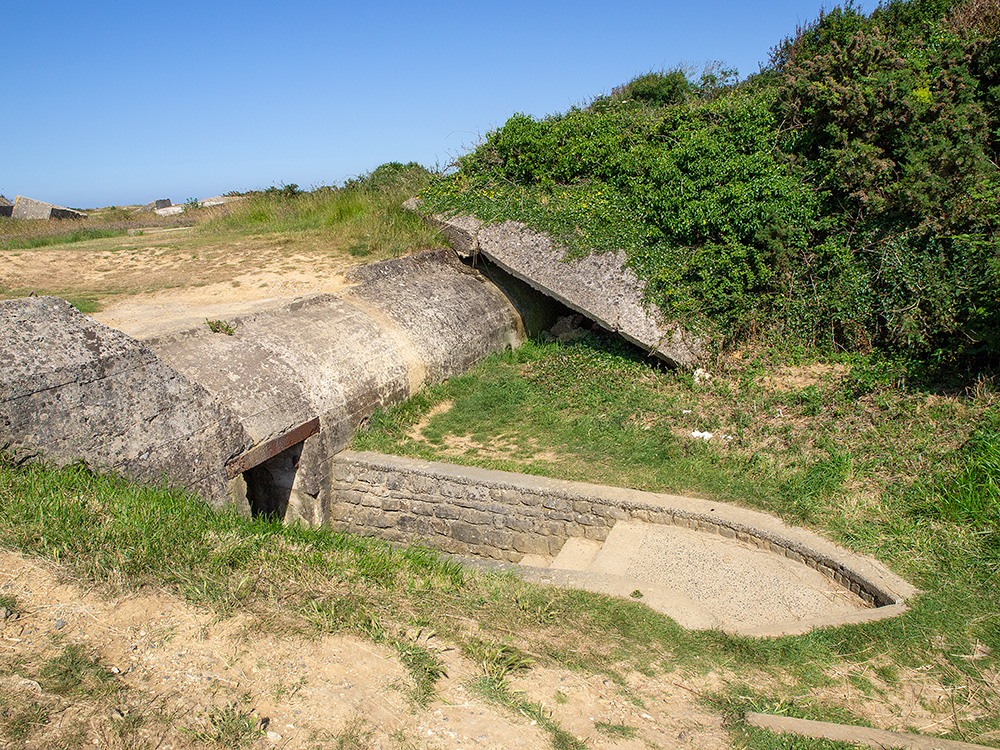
(600, 286)
(877, 738)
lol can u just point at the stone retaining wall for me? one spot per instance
(504, 516)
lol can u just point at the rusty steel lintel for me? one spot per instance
(261, 453)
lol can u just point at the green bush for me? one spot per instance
(847, 195)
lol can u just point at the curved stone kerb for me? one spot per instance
(564, 508)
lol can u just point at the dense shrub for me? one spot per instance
(849, 193)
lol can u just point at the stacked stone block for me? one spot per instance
(491, 520)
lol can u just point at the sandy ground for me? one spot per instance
(168, 281)
(154, 313)
(173, 663)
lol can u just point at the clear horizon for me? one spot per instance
(122, 103)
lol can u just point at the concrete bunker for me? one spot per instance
(262, 417)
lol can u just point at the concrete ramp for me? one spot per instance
(706, 564)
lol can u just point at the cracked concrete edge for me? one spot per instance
(886, 591)
(599, 286)
(878, 738)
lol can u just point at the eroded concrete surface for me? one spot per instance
(702, 581)
(71, 388)
(183, 404)
(600, 286)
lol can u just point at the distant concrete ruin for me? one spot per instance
(157, 204)
(6, 207)
(29, 208)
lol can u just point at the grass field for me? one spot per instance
(114, 254)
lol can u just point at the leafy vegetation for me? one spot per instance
(221, 326)
(846, 195)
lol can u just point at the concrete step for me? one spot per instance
(577, 553)
(623, 543)
(701, 580)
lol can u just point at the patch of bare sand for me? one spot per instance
(797, 378)
(153, 285)
(416, 432)
(155, 313)
(175, 663)
(590, 707)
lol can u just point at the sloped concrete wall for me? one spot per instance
(29, 208)
(599, 286)
(71, 388)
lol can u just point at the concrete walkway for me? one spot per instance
(700, 580)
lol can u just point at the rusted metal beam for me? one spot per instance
(262, 452)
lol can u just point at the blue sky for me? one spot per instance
(115, 103)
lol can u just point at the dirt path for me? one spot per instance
(173, 672)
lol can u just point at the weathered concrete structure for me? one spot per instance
(160, 203)
(6, 207)
(259, 417)
(266, 407)
(73, 389)
(600, 286)
(404, 324)
(28, 208)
